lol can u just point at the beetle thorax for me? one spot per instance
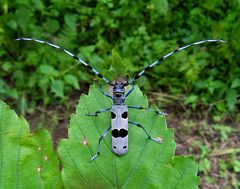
(119, 93)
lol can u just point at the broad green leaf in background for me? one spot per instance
(231, 98)
(51, 25)
(191, 99)
(72, 80)
(57, 88)
(27, 160)
(236, 83)
(147, 164)
(48, 70)
(161, 6)
(70, 20)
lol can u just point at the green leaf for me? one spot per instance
(191, 99)
(222, 107)
(57, 87)
(2, 87)
(7, 66)
(212, 85)
(27, 160)
(235, 83)
(236, 166)
(225, 131)
(23, 15)
(51, 25)
(12, 24)
(118, 67)
(13, 93)
(48, 70)
(161, 6)
(147, 164)
(72, 80)
(70, 20)
(231, 98)
(204, 165)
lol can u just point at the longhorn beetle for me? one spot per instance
(119, 110)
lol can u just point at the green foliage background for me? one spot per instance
(140, 31)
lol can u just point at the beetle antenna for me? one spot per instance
(69, 53)
(171, 53)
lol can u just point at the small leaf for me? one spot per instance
(39, 5)
(7, 66)
(44, 84)
(23, 15)
(72, 80)
(70, 20)
(231, 98)
(161, 6)
(12, 92)
(48, 70)
(118, 67)
(57, 88)
(225, 131)
(212, 85)
(221, 106)
(190, 99)
(12, 24)
(235, 83)
(204, 165)
(236, 166)
(2, 87)
(51, 25)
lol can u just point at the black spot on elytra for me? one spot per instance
(124, 115)
(115, 133)
(123, 133)
(119, 133)
(113, 115)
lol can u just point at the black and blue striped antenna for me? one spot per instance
(149, 67)
(70, 54)
(131, 81)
